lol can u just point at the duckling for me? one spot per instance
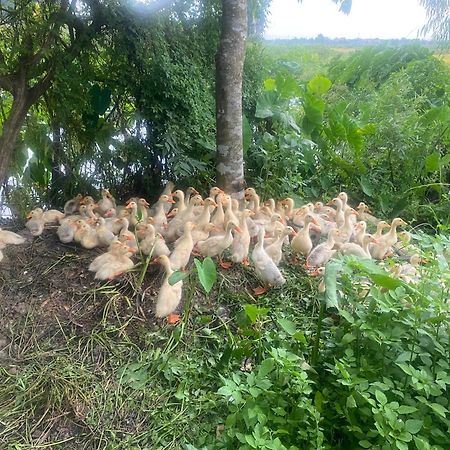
(202, 233)
(104, 235)
(230, 216)
(9, 237)
(66, 230)
(169, 297)
(181, 203)
(386, 241)
(181, 254)
(114, 249)
(218, 218)
(106, 202)
(359, 232)
(190, 191)
(216, 245)
(151, 242)
(274, 250)
(134, 218)
(321, 254)
(35, 223)
(205, 216)
(180, 219)
(266, 270)
(241, 241)
(347, 228)
(339, 216)
(87, 200)
(214, 192)
(351, 248)
(364, 214)
(159, 217)
(116, 264)
(87, 236)
(72, 205)
(302, 243)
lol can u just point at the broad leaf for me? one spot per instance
(432, 162)
(253, 312)
(207, 273)
(287, 326)
(319, 85)
(177, 276)
(330, 277)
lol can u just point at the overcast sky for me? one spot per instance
(367, 19)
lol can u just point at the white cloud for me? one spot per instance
(368, 19)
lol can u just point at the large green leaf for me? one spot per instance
(207, 273)
(177, 276)
(432, 162)
(330, 279)
(319, 85)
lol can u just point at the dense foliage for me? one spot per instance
(374, 122)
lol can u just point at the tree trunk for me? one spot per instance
(11, 129)
(229, 68)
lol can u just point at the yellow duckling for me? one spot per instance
(266, 270)
(35, 223)
(216, 245)
(181, 254)
(241, 241)
(72, 205)
(169, 297)
(302, 243)
(321, 254)
(115, 264)
(106, 202)
(275, 250)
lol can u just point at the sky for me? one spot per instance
(384, 19)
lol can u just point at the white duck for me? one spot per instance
(169, 297)
(321, 254)
(266, 270)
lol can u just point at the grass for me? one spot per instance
(123, 381)
(69, 387)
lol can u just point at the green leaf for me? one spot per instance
(421, 443)
(413, 426)
(439, 409)
(365, 444)
(445, 160)
(177, 276)
(253, 312)
(385, 281)
(266, 367)
(318, 400)
(347, 338)
(366, 186)
(432, 162)
(351, 403)
(287, 326)
(246, 133)
(331, 270)
(404, 409)
(381, 397)
(269, 84)
(207, 273)
(319, 85)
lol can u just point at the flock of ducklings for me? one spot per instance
(182, 223)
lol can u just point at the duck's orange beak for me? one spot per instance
(171, 201)
(145, 202)
(171, 214)
(132, 249)
(29, 216)
(238, 229)
(128, 206)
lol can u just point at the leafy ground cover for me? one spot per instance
(85, 366)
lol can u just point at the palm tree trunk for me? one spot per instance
(229, 67)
